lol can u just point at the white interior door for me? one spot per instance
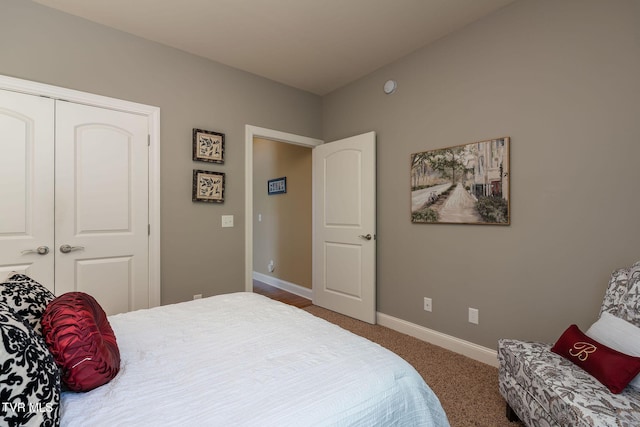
(26, 186)
(101, 207)
(344, 226)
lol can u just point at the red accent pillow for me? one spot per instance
(612, 368)
(81, 341)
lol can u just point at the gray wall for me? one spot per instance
(198, 256)
(561, 78)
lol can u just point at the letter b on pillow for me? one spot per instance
(81, 341)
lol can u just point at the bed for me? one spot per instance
(238, 359)
(244, 360)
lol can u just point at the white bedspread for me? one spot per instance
(244, 360)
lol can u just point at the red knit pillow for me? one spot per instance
(81, 341)
(612, 368)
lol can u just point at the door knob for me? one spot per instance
(65, 249)
(40, 250)
(366, 237)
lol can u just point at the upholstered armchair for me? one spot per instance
(544, 386)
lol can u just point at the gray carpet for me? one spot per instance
(467, 389)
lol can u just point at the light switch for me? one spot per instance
(227, 220)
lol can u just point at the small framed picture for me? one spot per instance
(208, 186)
(277, 186)
(208, 146)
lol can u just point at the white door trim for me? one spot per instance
(153, 115)
(252, 132)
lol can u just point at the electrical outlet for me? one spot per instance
(271, 266)
(427, 304)
(473, 315)
(197, 296)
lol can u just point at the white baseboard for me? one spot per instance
(284, 285)
(466, 348)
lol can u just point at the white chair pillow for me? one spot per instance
(617, 334)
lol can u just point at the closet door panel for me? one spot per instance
(103, 159)
(102, 205)
(26, 186)
(96, 275)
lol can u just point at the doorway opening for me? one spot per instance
(253, 133)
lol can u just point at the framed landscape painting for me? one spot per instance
(463, 184)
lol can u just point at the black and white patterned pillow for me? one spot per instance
(29, 377)
(27, 298)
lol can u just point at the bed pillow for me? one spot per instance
(81, 340)
(613, 369)
(618, 334)
(29, 377)
(26, 297)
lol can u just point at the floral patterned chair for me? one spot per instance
(543, 388)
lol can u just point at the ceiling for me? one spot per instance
(313, 45)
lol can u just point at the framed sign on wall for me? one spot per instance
(277, 185)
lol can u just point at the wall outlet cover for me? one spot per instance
(227, 220)
(473, 315)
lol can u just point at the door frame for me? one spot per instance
(252, 132)
(153, 116)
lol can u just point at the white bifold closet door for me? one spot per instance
(26, 186)
(77, 176)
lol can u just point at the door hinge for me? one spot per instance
(148, 140)
(148, 229)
